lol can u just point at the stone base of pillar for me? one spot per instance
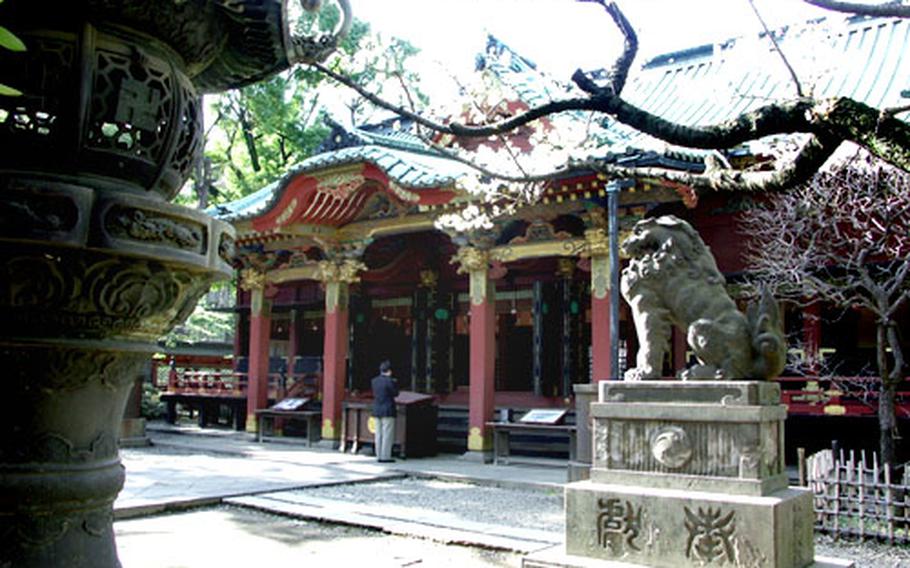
(478, 456)
(251, 424)
(578, 471)
(132, 433)
(327, 444)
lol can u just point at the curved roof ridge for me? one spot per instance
(410, 170)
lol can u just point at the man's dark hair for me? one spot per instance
(385, 366)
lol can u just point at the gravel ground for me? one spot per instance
(522, 508)
(866, 554)
(543, 510)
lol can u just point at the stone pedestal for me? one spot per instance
(687, 474)
(580, 467)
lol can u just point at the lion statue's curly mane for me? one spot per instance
(672, 279)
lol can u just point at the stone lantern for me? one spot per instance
(95, 263)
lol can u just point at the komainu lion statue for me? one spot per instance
(672, 279)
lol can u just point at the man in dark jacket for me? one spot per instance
(385, 389)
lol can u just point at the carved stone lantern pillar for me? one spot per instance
(95, 264)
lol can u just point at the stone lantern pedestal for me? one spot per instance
(687, 474)
(79, 315)
(95, 264)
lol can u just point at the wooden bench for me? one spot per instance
(502, 432)
(312, 419)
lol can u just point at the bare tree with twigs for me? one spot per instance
(843, 238)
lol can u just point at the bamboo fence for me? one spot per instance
(856, 497)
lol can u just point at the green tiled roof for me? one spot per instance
(869, 61)
(409, 169)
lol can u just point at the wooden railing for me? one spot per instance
(234, 384)
(838, 396)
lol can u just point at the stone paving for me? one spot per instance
(233, 537)
(190, 468)
(191, 474)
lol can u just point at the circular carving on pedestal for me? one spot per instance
(671, 447)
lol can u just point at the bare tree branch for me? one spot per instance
(883, 10)
(618, 74)
(780, 52)
(832, 120)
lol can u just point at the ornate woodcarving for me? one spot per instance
(565, 267)
(337, 275)
(403, 194)
(475, 262)
(597, 248)
(341, 185)
(252, 279)
(429, 279)
(346, 271)
(288, 212)
(597, 243)
(471, 259)
(540, 231)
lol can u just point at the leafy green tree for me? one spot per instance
(9, 41)
(261, 130)
(207, 324)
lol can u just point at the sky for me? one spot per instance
(563, 35)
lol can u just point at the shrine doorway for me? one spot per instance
(385, 339)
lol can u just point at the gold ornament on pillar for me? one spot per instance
(346, 271)
(251, 279)
(596, 243)
(565, 267)
(337, 275)
(429, 279)
(597, 248)
(476, 263)
(471, 259)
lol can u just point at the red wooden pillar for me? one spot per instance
(257, 394)
(337, 276)
(483, 361)
(812, 336)
(600, 313)
(482, 367)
